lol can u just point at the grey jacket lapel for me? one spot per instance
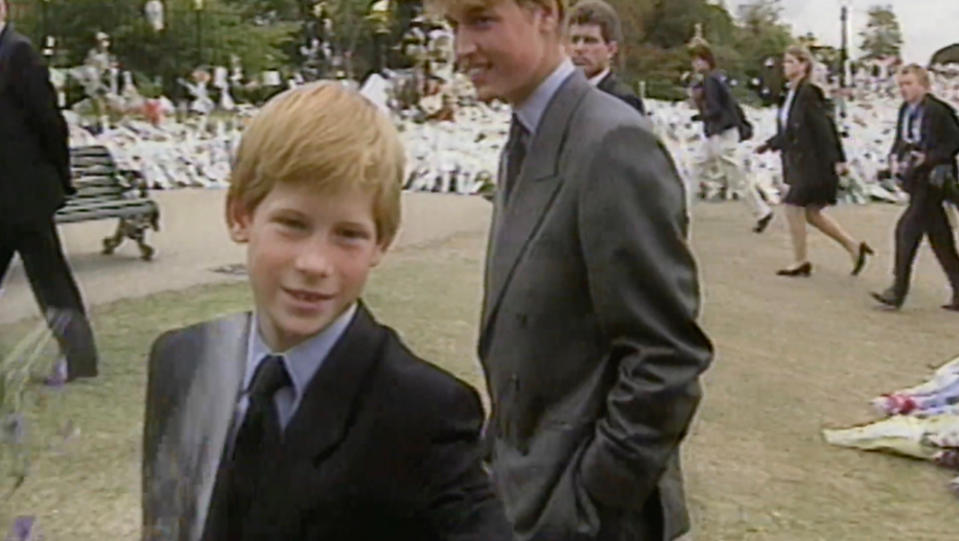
(515, 223)
(194, 442)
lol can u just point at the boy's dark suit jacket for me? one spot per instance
(34, 157)
(383, 445)
(612, 85)
(939, 139)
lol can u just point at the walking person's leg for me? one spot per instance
(796, 217)
(58, 296)
(739, 181)
(944, 246)
(831, 228)
(909, 231)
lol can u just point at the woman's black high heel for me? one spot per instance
(802, 270)
(864, 251)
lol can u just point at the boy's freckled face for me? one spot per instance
(309, 256)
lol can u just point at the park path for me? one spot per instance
(193, 241)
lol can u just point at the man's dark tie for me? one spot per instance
(256, 450)
(515, 155)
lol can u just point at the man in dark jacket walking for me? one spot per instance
(927, 137)
(34, 181)
(594, 34)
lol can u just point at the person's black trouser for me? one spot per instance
(54, 288)
(925, 215)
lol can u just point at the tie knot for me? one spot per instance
(270, 377)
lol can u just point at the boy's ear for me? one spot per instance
(238, 220)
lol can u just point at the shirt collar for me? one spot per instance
(3, 27)
(303, 360)
(599, 78)
(532, 109)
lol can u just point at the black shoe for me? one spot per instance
(763, 223)
(952, 306)
(864, 251)
(802, 270)
(888, 298)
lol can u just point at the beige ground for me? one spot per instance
(794, 356)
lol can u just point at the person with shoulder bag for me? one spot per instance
(724, 126)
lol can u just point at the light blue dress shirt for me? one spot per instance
(301, 362)
(531, 111)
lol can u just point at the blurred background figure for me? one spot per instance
(722, 120)
(595, 33)
(35, 180)
(813, 159)
(927, 141)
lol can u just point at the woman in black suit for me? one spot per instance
(813, 160)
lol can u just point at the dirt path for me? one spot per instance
(193, 241)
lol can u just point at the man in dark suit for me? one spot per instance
(927, 137)
(594, 35)
(589, 335)
(34, 180)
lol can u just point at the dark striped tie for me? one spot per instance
(515, 155)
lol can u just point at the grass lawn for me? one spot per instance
(85, 440)
(792, 357)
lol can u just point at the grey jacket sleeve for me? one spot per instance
(644, 285)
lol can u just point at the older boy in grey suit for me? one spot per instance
(589, 337)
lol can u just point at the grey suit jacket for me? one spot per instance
(589, 338)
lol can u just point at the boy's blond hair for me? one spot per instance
(326, 136)
(921, 73)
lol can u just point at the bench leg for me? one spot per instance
(133, 229)
(111, 243)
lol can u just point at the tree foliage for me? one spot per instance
(882, 36)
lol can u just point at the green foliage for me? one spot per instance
(882, 36)
(190, 37)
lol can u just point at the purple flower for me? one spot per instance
(22, 529)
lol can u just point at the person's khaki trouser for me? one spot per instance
(719, 152)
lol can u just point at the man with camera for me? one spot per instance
(923, 158)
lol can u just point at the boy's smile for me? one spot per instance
(309, 256)
(506, 49)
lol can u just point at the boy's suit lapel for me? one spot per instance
(326, 411)
(207, 411)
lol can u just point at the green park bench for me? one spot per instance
(104, 192)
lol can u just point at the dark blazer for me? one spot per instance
(383, 445)
(810, 146)
(34, 154)
(938, 138)
(614, 86)
(717, 110)
(589, 338)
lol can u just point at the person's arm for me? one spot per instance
(644, 286)
(461, 504)
(813, 107)
(945, 129)
(32, 87)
